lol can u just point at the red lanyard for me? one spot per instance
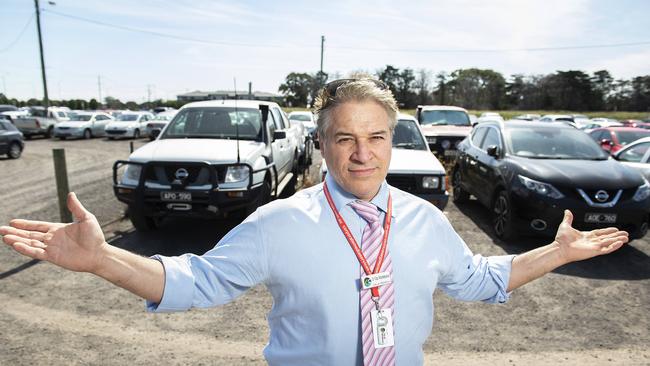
(353, 243)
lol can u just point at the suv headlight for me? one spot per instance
(237, 173)
(544, 189)
(642, 192)
(131, 175)
(431, 182)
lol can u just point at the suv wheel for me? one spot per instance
(14, 151)
(87, 134)
(503, 216)
(140, 221)
(459, 195)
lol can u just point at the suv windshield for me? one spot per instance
(408, 136)
(539, 142)
(80, 117)
(216, 123)
(127, 117)
(456, 118)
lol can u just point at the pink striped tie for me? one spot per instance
(370, 245)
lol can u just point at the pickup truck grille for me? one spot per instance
(197, 175)
(410, 183)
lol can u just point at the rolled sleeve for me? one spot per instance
(179, 281)
(478, 278)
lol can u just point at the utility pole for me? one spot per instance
(322, 45)
(99, 86)
(46, 100)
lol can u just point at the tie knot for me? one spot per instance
(366, 210)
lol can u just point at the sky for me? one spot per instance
(157, 49)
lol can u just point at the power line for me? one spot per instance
(170, 36)
(20, 35)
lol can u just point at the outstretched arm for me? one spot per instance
(570, 245)
(81, 246)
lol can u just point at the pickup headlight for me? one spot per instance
(131, 175)
(237, 173)
(642, 192)
(432, 182)
(544, 189)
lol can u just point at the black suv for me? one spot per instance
(527, 173)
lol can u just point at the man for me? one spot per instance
(328, 309)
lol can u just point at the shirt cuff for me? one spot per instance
(179, 285)
(500, 267)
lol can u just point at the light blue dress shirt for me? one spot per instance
(295, 247)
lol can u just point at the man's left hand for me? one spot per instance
(578, 245)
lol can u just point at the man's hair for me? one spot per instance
(341, 91)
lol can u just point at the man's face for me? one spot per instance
(357, 147)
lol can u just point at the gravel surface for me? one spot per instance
(594, 312)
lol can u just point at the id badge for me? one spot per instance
(382, 328)
(375, 280)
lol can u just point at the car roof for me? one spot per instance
(523, 123)
(441, 108)
(406, 116)
(243, 103)
(621, 128)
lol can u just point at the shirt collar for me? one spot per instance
(342, 198)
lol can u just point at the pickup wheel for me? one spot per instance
(87, 134)
(49, 131)
(14, 151)
(140, 221)
(263, 198)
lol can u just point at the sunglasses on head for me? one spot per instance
(332, 86)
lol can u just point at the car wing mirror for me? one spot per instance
(279, 135)
(493, 150)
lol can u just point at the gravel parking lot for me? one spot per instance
(594, 312)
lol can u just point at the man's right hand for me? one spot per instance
(78, 246)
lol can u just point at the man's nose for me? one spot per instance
(362, 152)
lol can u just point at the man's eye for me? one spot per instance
(344, 140)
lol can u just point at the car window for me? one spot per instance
(634, 153)
(222, 123)
(273, 126)
(442, 117)
(408, 136)
(477, 135)
(491, 139)
(539, 142)
(625, 137)
(2, 126)
(279, 123)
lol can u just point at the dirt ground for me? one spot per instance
(590, 313)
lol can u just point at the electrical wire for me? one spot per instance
(355, 48)
(20, 35)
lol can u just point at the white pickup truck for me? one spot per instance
(40, 121)
(213, 159)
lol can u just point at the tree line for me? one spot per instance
(485, 89)
(93, 104)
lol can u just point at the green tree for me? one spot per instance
(297, 88)
(93, 104)
(477, 88)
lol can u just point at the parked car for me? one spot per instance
(444, 127)
(40, 121)
(612, 139)
(306, 118)
(527, 173)
(128, 124)
(83, 125)
(636, 156)
(213, 159)
(413, 168)
(489, 116)
(528, 117)
(564, 118)
(11, 140)
(8, 108)
(159, 122)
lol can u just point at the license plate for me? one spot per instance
(176, 196)
(600, 218)
(451, 152)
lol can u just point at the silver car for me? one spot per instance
(82, 125)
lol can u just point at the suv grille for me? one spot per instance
(198, 175)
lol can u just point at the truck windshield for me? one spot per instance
(455, 118)
(216, 123)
